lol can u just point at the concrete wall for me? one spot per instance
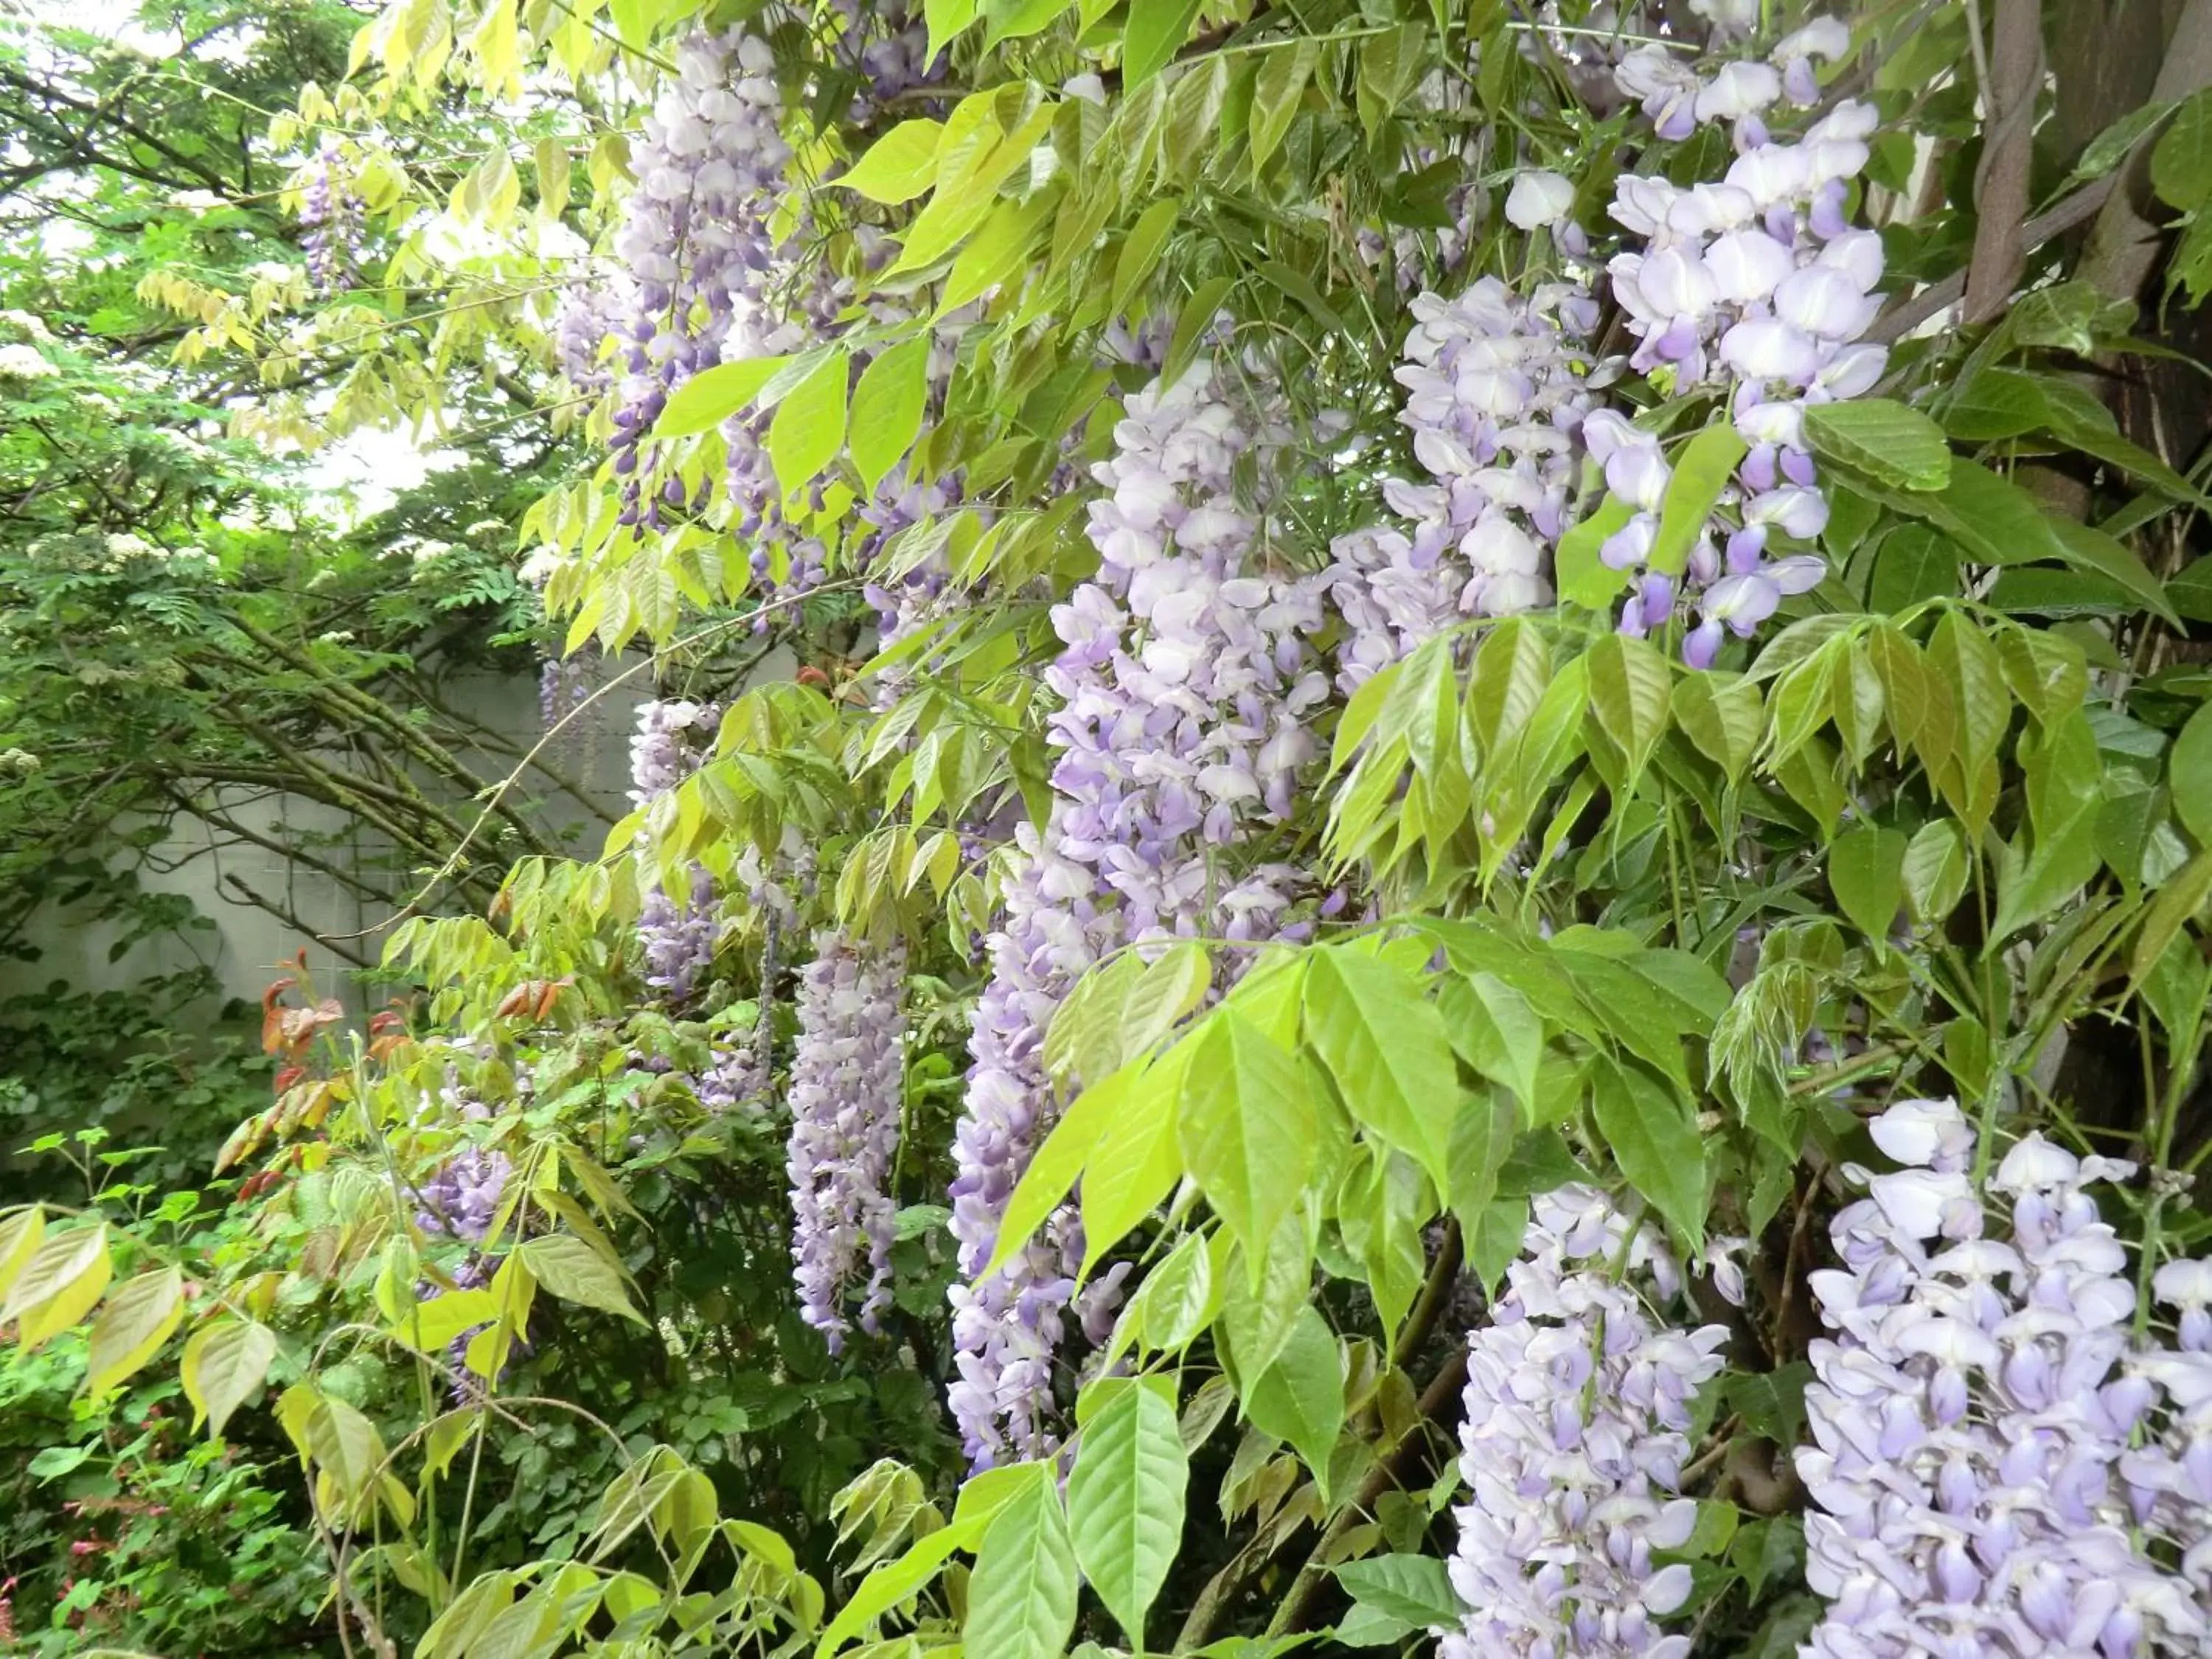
(247, 947)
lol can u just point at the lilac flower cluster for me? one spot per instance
(331, 213)
(709, 163)
(459, 1202)
(1984, 1438)
(1759, 287)
(1495, 396)
(1183, 686)
(1578, 1413)
(890, 41)
(591, 314)
(848, 1092)
(677, 934)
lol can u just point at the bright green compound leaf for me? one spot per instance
(1628, 693)
(1299, 1398)
(1703, 469)
(809, 427)
(1008, 19)
(565, 1265)
(1887, 441)
(899, 165)
(712, 395)
(1140, 249)
(1383, 1040)
(136, 1321)
(887, 407)
(1249, 1129)
(1155, 32)
(1276, 94)
(1124, 1502)
(1059, 1161)
(223, 1364)
(1021, 1599)
(1655, 1139)
(1866, 873)
(1414, 1589)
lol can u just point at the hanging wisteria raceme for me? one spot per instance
(331, 212)
(709, 163)
(1755, 285)
(848, 1092)
(592, 314)
(1495, 396)
(1183, 687)
(1576, 1429)
(889, 39)
(460, 1202)
(677, 933)
(1985, 1433)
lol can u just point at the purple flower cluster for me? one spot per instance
(591, 314)
(848, 1092)
(1757, 286)
(1184, 685)
(1985, 1433)
(710, 164)
(1495, 395)
(677, 934)
(890, 40)
(1578, 1413)
(331, 213)
(459, 1202)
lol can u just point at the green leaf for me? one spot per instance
(1496, 1029)
(896, 1581)
(1723, 715)
(1413, 1588)
(1654, 1138)
(2055, 869)
(1299, 1398)
(565, 1265)
(946, 19)
(2181, 164)
(1124, 1502)
(1915, 562)
(1512, 667)
(1021, 1598)
(223, 1364)
(1136, 1162)
(1584, 578)
(809, 427)
(899, 165)
(1934, 871)
(2189, 776)
(1156, 32)
(1630, 681)
(1705, 467)
(887, 407)
(136, 1321)
(1383, 1042)
(1053, 1168)
(1179, 1298)
(1255, 1317)
(2086, 548)
(1300, 287)
(1276, 94)
(1008, 19)
(1866, 873)
(712, 395)
(1882, 440)
(2111, 147)
(2179, 902)
(1247, 1128)
(1140, 249)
